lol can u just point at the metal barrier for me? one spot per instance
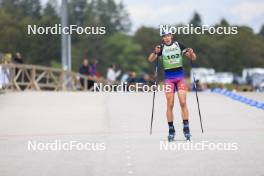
(31, 77)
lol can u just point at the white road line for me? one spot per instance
(129, 164)
(127, 147)
(130, 172)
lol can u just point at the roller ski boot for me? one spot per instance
(171, 134)
(186, 131)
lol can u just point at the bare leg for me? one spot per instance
(185, 113)
(170, 104)
(182, 101)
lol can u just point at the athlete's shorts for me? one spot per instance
(174, 80)
(175, 84)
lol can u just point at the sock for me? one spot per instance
(186, 126)
(185, 122)
(171, 127)
(170, 124)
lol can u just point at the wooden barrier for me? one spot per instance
(31, 77)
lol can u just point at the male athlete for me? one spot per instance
(171, 53)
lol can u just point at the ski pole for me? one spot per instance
(197, 99)
(154, 93)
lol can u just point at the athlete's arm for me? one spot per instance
(188, 52)
(153, 56)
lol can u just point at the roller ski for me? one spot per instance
(171, 134)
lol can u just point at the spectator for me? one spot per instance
(18, 59)
(112, 74)
(147, 80)
(132, 78)
(93, 67)
(85, 71)
(4, 72)
(4, 76)
(124, 77)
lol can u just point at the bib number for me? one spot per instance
(173, 56)
(173, 59)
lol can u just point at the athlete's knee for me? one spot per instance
(183, 104)
(170, 105)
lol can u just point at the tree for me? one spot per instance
(10, 7)
(106, 13)
(50, 12)
(40, 44)
(147, 38)
(10, 33)
(261, 32)
(77, 11)
(196, 20)
(125, 53)
(30, 8)
(111, 15)
(224, 22)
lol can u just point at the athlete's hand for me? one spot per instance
(190, 54)
(157, 49)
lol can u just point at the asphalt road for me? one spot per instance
(119, 124)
